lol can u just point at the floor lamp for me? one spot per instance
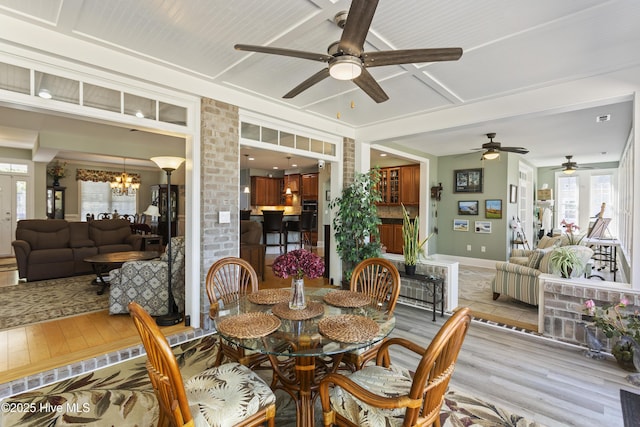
(169, 164)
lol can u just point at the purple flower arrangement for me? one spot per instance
(298, 264)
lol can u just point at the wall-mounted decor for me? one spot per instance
(436, 192)
(493, 208)
(513, 193)
(468, 207)
(483, 227)
(468, 180)
(460, 225)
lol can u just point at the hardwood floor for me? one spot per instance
(546, 381)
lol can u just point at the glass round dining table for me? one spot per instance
(303, 345)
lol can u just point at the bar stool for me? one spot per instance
(271, 224)
(306, 227)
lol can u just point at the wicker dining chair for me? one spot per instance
(379, 278)
(210, 398)
(229, 279)
(392, 393)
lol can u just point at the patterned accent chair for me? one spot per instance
(145, 282)
(521, 281)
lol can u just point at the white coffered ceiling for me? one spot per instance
(513, 52)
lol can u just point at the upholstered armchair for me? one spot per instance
(145, 282)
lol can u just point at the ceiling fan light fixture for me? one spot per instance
(569, 171)
(491, 154)
(345, 67)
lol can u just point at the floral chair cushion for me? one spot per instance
(392, 382)
(145, 282)
(226, 395)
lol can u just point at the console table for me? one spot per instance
(433, 281)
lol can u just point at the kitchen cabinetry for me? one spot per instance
(159, 193)
(400, 185)
(55, 202)
(293, 182)
(266, 191)
(410, 185)
(310, 186)
(391, 237)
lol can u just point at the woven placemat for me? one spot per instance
(348, 328)
(313, 309)
(346, 299)
(248, 325)
(269, 296)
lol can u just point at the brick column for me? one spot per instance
(349, 161)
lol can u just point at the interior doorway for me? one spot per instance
(6, 215)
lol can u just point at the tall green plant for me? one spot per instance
(412, 248)
(355, 226)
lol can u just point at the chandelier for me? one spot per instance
(123, 185)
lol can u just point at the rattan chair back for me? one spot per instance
(163, 370)
(379, 278)
(230, 278)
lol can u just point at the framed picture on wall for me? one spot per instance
(483, 227)
(468, 180)
(513, 193)
(460, 225)
(468, 207)
(493, 208)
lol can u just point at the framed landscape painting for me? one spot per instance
(460, 225)
(493, 208)
(483, 227)
(468, 207)
(468, 180)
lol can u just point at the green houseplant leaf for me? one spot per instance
(564, 260)
(355, 226)
(413, 247)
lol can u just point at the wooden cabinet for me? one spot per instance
(293, 182)
(391, 237)
(310, 186)
(159, 193)
(410, 185)
(55, 202)
(266, 191)
(400, 185)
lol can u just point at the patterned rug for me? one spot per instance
(121, 395)
(32, 302)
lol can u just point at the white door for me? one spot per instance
(6, 216)
(525, 203)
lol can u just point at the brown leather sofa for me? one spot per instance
(52, 248)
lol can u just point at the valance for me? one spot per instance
(103, 176)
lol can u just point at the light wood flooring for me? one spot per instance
(543, 380)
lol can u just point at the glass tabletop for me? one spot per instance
(303, 337)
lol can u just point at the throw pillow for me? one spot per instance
(548, 242)
(535, 258)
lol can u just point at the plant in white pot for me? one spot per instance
(413, 246)
(565, 260)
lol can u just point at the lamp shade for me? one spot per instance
(491, 154)
(168, 162)
(152, 210)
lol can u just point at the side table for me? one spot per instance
(152, 242)
(430, 280)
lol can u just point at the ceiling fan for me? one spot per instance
(346, 58)
(493, 148)
(569, 167)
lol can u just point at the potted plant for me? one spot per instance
(564, 260)
(413, 247)
(355, 225)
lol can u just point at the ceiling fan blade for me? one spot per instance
(411, 56)
(519, 150)
(357, 26)
(316, 78)
(284, 52)
(367, 83)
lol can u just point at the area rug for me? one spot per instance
(32, 302)
(121, 395)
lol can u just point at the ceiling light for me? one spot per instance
(568, 171)
(44, 93)
(345, 67)
(246, 187)
(383, 154)
(252, 158)
(603, 118)
(139, 115)
(491, 154)
(123, 185)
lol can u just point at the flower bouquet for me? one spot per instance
(56, 171)
(571, 229)
(298, 264)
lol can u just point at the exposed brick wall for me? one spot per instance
(220, 186)
(349, 161)
(564, 303)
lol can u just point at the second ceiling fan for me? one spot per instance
(346, 58)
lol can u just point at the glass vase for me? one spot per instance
(297, 301)
(623, 351)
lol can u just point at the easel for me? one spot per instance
(604, 248)
(519, 237)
